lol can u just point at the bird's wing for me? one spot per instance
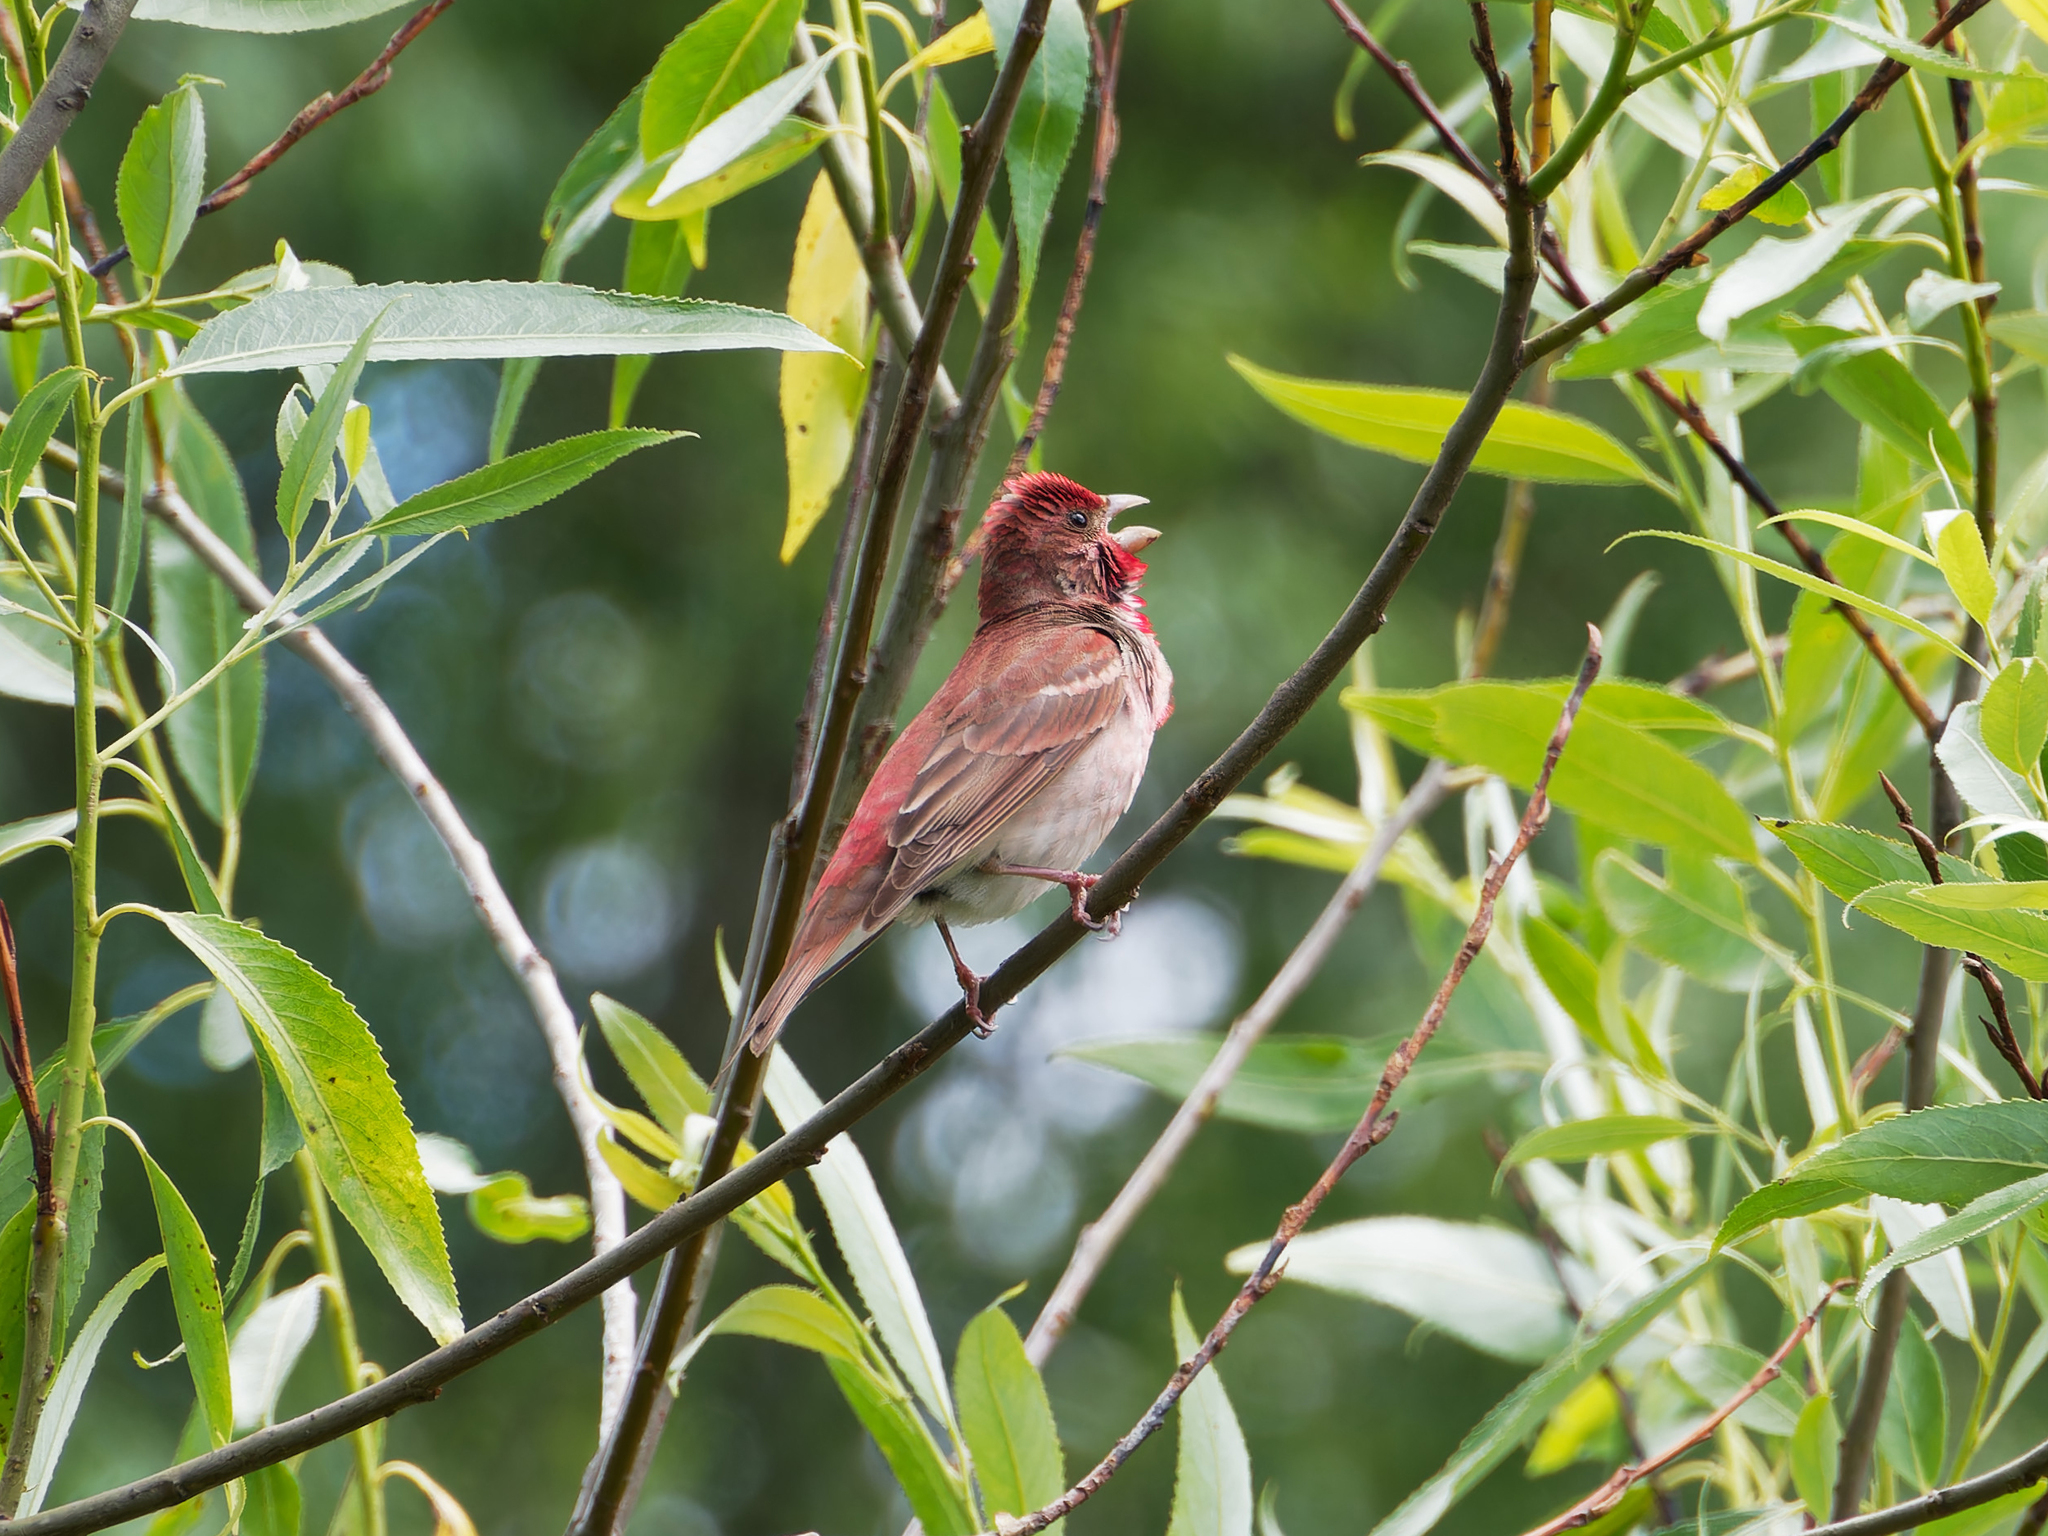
(1050, 694)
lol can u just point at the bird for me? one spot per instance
(1026, 757)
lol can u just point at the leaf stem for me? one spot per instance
(348, 1351)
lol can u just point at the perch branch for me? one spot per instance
(1373, 1127)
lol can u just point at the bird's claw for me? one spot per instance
(1079, 888)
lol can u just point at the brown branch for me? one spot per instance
(1719, 669)
(2021, 1472)
(63, 97)
(1109, 61)
(21, 1066)
(1609, 1493)
(1373, 1127)
(2003, 1039)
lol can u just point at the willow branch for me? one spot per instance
(2021, 1472)
(1373, 1127)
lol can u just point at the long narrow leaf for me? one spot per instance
(68, 1389)
(1973, 1220)
(513, 485)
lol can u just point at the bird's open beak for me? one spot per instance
(1133, 538)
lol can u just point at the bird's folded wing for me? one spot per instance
(1002, 742)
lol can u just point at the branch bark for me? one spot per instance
(62, 97)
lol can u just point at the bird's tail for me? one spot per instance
(801, 973)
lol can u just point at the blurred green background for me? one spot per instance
(607, 686)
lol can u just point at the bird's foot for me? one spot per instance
(1078, 886)
(970, 986)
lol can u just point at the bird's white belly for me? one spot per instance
(1057, 828)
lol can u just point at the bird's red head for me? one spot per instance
(1048, 539)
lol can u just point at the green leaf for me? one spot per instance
(736, 131)
(1987, 786)
(1006, 1419)
(937, 1496)
(507, 1210)
(1614, 774)
(1697, 920)
(15, 1240)
(727, 53)
(1603, 1136)
(1782, 1201)
(1526, 442)
(514, 485)
(347, 1108)
(1569, 974)
(309, 467)
(1308, 1083)
(1987, 896)
(579, 203)
(302, 327)
(29, 429)
(88, 1189)
(214, 738)
(659, 1074)
(2025, 331)
(1984, 1214)
(786, 1314)
(195, 1295)
(1490, 1288)
(162, 178)
(1849, 860)
(1047, 121)
(1959, 550)
(1664, 324)
(1518, 1415)
(267, 1346)
(658, 260)
(2013, 714)
(31, 833)
(1881, 392)
(2016, 940)
(1716, 1372)
(1815, 1446)
(1985, 1517)
(60, 1409)
(271, 1503)
(1212, 1472)
(1807, 583)
(1914, 1430)
(263, 15)
(1938, 61)
(1787, 205)
(788, 142)
(867, 1241)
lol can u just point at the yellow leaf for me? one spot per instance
(971, 39)
(1575, 1428)
(1959, 550)
(821, 391)
(2032, 12)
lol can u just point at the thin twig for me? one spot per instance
(2002, 1038)
(315, 112)
(1099, 1239)
(1609, 1493)
(2021, 1472)
(472, 862)
(1373, 1127)
(21, 1065)
(1055, 370)
(62, 98)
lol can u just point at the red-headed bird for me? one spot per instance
(1024, 759)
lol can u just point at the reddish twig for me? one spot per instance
(315, 112)
(1108, 62)
(1373, 1128)
(20, 1065)
(1609, 1493)
(2003, 1040)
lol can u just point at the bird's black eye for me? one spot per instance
(1077, 519)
